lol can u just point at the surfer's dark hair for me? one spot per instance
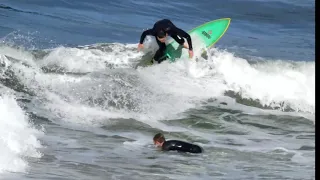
(159, 138)
(161, 33)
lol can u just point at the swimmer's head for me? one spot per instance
(159, 139)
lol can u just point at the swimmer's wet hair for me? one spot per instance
(159, 138)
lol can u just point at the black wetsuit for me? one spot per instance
(172, 31)
(175, 145)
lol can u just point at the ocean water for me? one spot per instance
(74, 105)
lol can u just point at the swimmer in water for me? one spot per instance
(175, 145)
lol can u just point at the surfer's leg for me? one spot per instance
(160, 52)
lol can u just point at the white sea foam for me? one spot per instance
(18, 138)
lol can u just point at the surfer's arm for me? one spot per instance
(144, 34)
(184, 34)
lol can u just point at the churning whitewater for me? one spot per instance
(92, 87)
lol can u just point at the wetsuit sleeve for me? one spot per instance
(145, 33)
(184, 34)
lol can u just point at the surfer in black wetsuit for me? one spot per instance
(161, 29)
(175, 145)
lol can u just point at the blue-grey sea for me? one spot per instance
(76, 103)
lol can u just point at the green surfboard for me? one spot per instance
(203, 36)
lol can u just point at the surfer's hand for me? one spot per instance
(190, 53)
(140, 46)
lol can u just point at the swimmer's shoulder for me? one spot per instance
(171, 144)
